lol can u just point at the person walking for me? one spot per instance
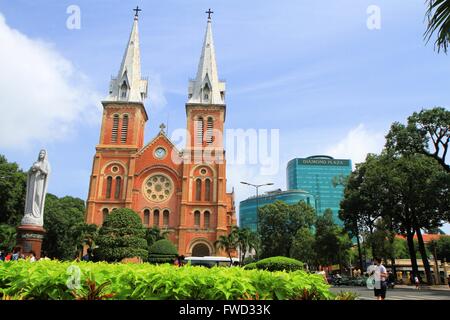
(417, 282)
(380, 274)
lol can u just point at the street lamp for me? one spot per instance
(257, 186)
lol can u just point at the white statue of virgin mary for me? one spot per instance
(37, 182)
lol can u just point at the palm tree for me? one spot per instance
(227, 243)
(154, 234)
(438, 14)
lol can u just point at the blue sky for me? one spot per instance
(311, 69)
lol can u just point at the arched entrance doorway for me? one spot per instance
(200, 250)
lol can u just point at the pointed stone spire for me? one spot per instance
(207, 88)
(129, 85)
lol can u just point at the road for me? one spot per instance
(397, 293)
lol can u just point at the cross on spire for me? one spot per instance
(209, 12)
(162, 127)
(137, 11)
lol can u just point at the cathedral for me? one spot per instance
(180, 191)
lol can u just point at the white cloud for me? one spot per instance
(357, 144)
(43, 96)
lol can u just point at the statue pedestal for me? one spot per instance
(29, 238)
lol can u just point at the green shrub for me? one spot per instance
(162, 251)
(250, 266)
(122, 235)
(47, 280)
(279, 264)
(346, 295)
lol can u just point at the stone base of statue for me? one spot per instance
(29, 238)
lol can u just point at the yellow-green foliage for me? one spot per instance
(46, 279)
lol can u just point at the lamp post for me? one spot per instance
(257, 186)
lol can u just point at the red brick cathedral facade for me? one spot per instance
(182, 191)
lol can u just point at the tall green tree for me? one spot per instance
(122, 235)
(332, 244)
(279, 223)
(228, 243)
(303, 247)
(438, 15)
(12, 192)
(427, 132)
(7, 237)
(65, 227)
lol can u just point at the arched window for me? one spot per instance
(209, 130)
(105, 213)
(166, 217)
(198, 190)
(206, 218)
(156, 217)
(123, 91)
(197, 218)
(199, 128)
(123, 137)
(118, 192)
(146, 217)
(115, 128)
(108, 187)
(206, 92)
(207, 190)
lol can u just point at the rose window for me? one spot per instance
(158, 188)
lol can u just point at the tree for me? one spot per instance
(227, 243)
(122, 235)
(7, 237)
(440, 249)
(154, 234)
(243, 241)
(65, 227)
(279, 223)
(332, 245)
(12, 192)
(303, 247)
(427, 133)
(438, 14)
(162, 251)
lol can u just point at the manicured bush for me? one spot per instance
(122, 235)
(48, 279)
(162, 251)
(277, 264)
(250, 266)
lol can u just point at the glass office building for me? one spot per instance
(316, 175)
(247, 208)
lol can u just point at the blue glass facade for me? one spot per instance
(316, 174)
(247, 208)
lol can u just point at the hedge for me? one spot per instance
(162, 251)
(276, 264)
(47, 280)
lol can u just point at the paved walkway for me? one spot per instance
(399, 293)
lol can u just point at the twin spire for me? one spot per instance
(129, 86)
(206, 88)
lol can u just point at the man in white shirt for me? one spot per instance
(379, 272)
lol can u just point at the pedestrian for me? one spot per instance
(32, 257)
(16, 254)
(417, 282)
(380, 274)
(2, 256)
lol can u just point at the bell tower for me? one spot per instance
(203, 215)
(121, 135)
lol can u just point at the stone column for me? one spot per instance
(29, 238)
